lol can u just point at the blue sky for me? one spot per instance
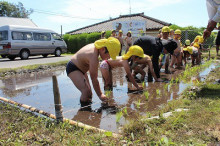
(82, 13)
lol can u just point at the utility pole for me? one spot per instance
(61, 31)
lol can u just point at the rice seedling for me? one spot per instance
(146, 94)
(138, 103)
(158, 92)
(118, 116)
(125, 111)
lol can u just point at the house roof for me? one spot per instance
(151, 24)
(17, 21)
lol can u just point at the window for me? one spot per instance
(3, 35)
(42, 36)
(21, 35)
(56, 36)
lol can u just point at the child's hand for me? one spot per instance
(140, 88)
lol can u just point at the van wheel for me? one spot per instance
(45, 55)
(12, 57)
(24, 54)
(3, 56)
(58, 52)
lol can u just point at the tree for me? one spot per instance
(14, 10)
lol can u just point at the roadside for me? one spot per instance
(33, 60)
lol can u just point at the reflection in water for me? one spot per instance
(36, 90)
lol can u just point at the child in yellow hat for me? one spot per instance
(121, 40)
(86, 59)
(135, 53)
(186, 54)
(177, 55)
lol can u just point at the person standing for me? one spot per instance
(217, 41)
(128, 40)
(121, 40)
(213, 8)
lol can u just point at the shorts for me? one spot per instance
(105, 65)
(71, 67)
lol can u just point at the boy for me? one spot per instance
(86, 59)
(120, 38)
(186, 53)
(177, 55)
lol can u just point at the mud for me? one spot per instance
(35, 89)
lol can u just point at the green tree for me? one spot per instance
(14, 10)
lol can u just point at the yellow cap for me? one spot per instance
(134, 50)
(113, 30)
(120, 30)
(187, 42)
(177, 31)
(201, 40)
(165, 29)
(190, 49)
(197, 38)
(112, 44)
(171, 29)
(129, 31)
(102, 32)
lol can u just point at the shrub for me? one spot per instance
(81, 40)
(92, 37)
(73, 44)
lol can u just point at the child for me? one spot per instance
(171, 33)
(103, 35)
(113, 34)
(87, 59)
(128, 40)
(198, 44)
(186, 53)
(120, 38)
(135, 53)
(177, 55)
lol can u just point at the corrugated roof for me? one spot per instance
(151, 24)
(16, 21)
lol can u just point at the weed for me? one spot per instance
(158, 92)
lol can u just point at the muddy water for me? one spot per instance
(36, 90)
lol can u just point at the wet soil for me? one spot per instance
(36, 89)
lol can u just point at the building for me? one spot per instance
(150, 25)
(16, 21)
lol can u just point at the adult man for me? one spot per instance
(86, 59)
(153, 47)
(213, 8)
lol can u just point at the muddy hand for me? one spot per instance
(104, 98)
(140, 88)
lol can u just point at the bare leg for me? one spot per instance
(81, 83)
(107, 76)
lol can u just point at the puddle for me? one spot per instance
(36, 90)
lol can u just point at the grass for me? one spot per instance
(197, 126)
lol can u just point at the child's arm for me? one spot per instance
(130, 77)
(150, 65)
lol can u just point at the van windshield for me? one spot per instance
(56, 36)
(3, 35)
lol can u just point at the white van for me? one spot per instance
(25, 41)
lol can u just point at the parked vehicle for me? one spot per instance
(19, 41)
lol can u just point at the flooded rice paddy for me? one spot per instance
(36, 89)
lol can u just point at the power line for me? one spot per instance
(63, 15)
